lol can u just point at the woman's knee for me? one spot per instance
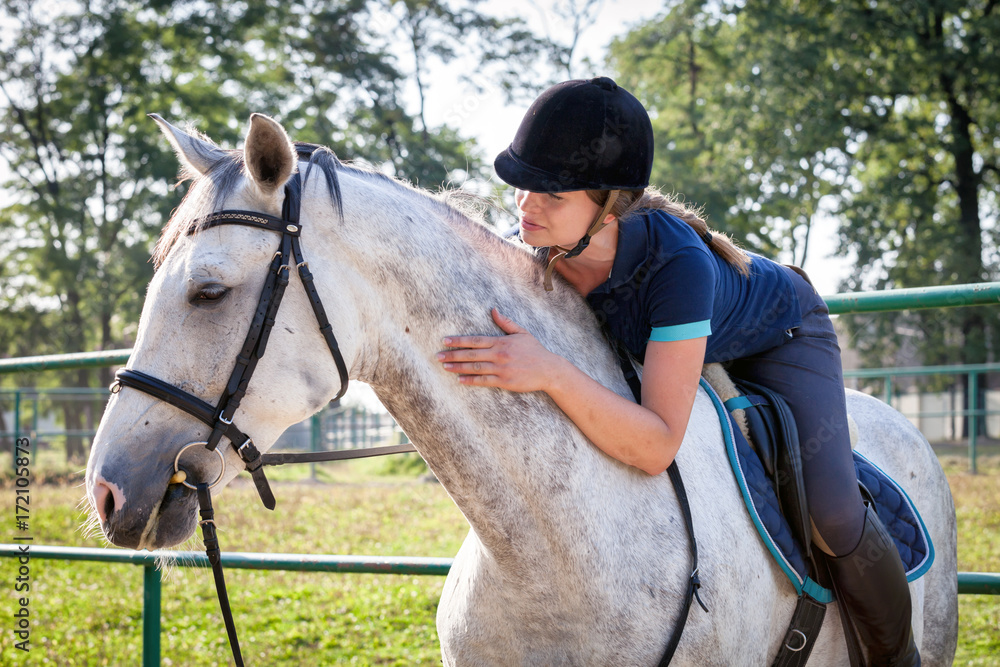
(837, 528)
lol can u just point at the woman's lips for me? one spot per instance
(529, 226)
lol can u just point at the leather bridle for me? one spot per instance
(220, 417)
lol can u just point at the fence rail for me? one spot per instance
(975, 413)
(152, 580)
(335, 427)
(980, 294)
(914, 298)
(969, 583)
(979, 583)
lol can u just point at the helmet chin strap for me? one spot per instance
(567, 253)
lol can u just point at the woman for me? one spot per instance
(676, 296)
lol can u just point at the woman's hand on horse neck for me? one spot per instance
(646, 436)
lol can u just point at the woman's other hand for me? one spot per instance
(515, 361)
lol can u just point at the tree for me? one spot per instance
(84, 171)
(720, 143)
(86, 177)
(883, 112)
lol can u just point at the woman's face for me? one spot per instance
(556, 219)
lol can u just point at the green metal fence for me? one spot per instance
(969, 583)
(977, 583)
(335, 427)
(152, 583)
(974, 372)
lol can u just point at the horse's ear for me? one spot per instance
(195, 153)
(268, 154)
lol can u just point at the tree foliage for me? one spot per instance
(84, 175)
(883, 114)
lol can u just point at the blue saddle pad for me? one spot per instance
(894, 508)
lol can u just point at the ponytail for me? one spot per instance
(630, 201)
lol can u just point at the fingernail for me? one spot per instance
(447, 341)
(448, 367)
(440, 356)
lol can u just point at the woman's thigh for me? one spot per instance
(806, 372)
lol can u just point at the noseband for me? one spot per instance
(220, 417)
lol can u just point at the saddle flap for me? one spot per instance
(773, 430)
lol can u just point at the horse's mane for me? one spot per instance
(463, 211)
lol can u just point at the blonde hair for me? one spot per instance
(630, 201)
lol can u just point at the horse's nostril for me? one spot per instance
(109, 505)
(107, 498)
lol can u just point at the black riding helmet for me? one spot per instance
(580, 135)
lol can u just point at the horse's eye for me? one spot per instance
(210, 294)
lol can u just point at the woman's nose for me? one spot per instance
(525, 200)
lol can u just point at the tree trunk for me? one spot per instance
(969, 258)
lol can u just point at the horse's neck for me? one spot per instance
(504, 457)
(499, 454)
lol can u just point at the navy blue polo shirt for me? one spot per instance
(666, 285)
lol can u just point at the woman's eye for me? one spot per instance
(210, 294)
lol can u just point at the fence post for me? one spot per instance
(973, 418)
(151, 578)
(34, 417)
(315, 436)
(17, 427)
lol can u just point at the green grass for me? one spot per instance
(90, 613)
(977, 507)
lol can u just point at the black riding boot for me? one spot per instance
(871, 584)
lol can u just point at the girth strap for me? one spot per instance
(803, 630)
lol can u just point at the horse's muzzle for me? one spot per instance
(145, 523)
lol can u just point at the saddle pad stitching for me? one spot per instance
(794, 578)
(928, 560)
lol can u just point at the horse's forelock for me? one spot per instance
(223, 178)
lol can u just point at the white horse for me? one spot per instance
(573, 558)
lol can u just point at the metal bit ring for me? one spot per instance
(222, 458)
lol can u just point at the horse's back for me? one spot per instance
(892, 443)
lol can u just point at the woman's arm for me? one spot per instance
(646, 436)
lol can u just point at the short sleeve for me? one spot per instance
(681, 296)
